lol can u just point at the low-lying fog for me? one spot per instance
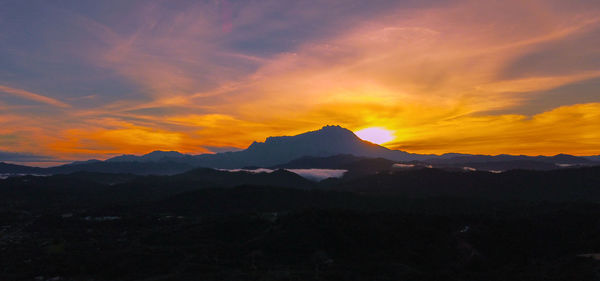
(311, 174)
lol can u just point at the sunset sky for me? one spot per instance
(93, 79)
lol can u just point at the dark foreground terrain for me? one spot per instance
(423, 224)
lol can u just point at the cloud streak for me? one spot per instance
(32, 96)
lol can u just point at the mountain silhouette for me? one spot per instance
(335, 140)
(326, 142)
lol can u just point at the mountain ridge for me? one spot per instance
(330, 140)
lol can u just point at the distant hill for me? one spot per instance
(557, 159)
(155, 156)
(595, 158)
(131, 167)
(6, 168)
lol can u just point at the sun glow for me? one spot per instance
(375, 135)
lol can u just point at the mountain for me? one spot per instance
(328, 141)
(155, 156)
(335, 140)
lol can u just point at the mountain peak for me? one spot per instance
(326, 133)
(333, 130)
(336, 130)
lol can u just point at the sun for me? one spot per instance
(376, 135)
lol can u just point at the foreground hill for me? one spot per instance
(582, 184)
(413, 224)
(94, 189)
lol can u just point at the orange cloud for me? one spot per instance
(431, 75)
(118, 137)
(571, 129)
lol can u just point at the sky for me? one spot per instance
(93, 79)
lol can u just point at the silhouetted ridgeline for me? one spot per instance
(336, 145)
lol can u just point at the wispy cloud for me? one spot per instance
(32, 96)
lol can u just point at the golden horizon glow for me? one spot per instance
(478, 77)
(376, 135)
